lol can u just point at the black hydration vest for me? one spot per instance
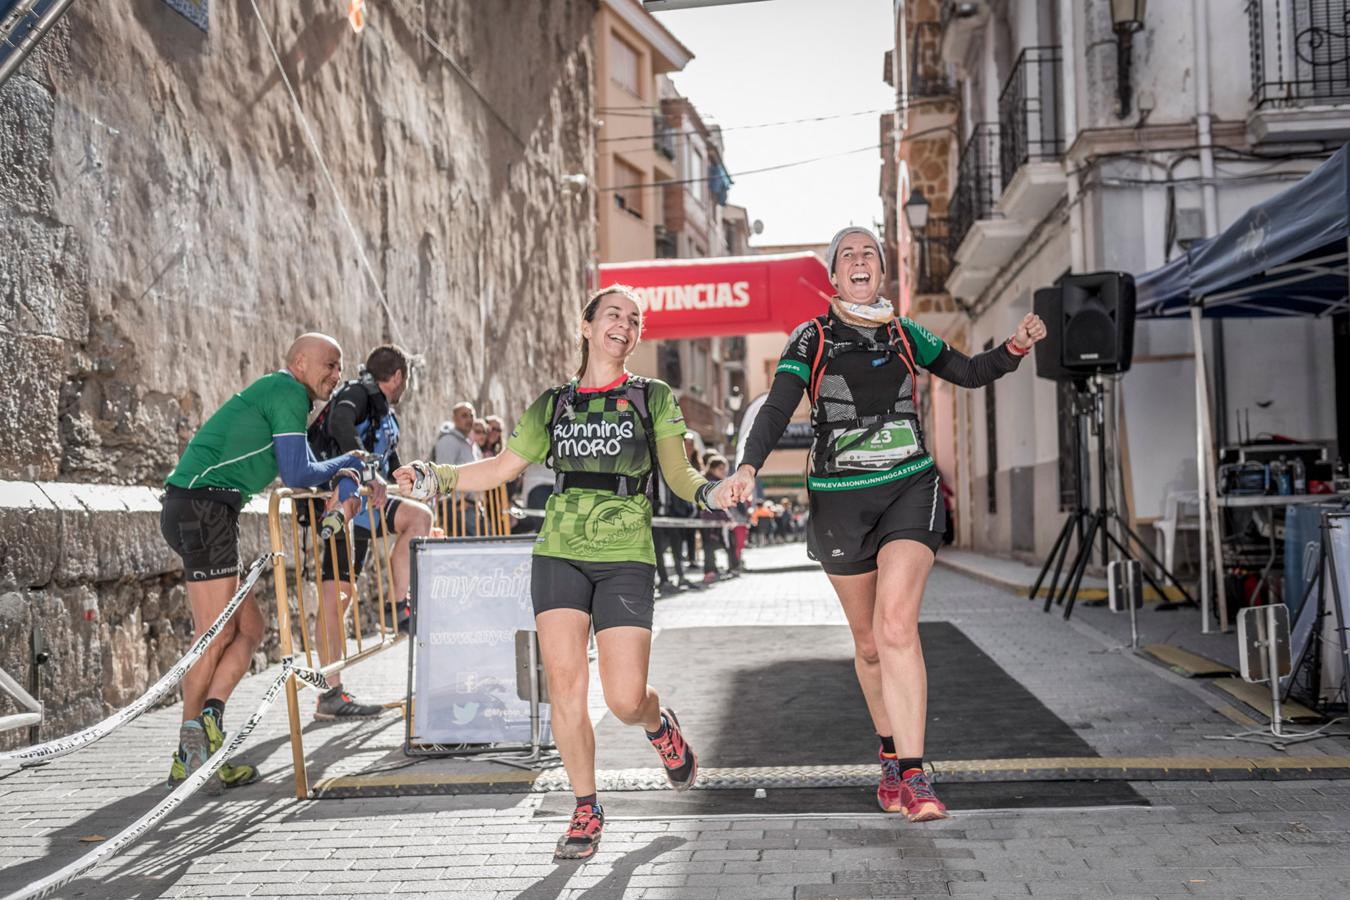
(824, 423)
(565, 401)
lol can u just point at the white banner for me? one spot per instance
(473, 595)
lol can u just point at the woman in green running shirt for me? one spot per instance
(603, 433)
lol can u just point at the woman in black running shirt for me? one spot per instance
(877, 516)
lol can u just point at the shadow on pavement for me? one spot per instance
(613, 886)
(788, 696)
(197, 828)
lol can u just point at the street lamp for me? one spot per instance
(1127, 17)
(916, 211)
(735, 399)
(916, 214)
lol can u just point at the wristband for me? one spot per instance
(1014, 349)
(704, 493)
(447, 476)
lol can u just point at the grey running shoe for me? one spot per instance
(193, 752)
(338, 704)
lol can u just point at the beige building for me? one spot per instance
(662, 195)
(635, 147)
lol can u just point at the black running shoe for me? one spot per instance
(338, 704)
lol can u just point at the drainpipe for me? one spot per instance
(1069, 96)
(37, 32)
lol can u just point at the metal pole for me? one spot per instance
(30, 40)
(1131, 587)
(1273, 670)
(536, 737)
(1099, 420)
(1201, 464)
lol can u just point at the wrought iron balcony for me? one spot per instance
(927, 74)
(977, 184)
(667, 247)
(1300, 52)
(663, 137)
(1029, 112)
(932, 264)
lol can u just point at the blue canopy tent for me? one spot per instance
(1286, 256)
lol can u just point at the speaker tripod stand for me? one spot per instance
(1086, 525)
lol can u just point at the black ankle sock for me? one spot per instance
(915, 762)
(653, 735)
(887, 744)
(588, 800)
(217, 707)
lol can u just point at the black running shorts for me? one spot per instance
(613, 593)
(202, 526)
(848, 528)
(360, 545)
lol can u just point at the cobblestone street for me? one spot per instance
(1222, 837)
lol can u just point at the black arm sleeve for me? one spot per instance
(772, 419)
(342, 420)
(973, 371)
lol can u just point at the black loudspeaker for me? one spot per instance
(1089, 321)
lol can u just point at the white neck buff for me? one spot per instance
(867, 315)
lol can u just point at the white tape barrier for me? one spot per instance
(44, 753)
(145, 823)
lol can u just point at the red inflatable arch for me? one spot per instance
(725, 296)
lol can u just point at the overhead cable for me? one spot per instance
(357, 240)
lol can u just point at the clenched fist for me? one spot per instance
(1029, 331)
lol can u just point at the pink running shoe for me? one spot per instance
(888, 791)
(920, 802)
(582, 837)
(676, 754)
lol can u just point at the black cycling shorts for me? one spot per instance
(202, 526)
(848, 528)
(613, 593)
(360, 545)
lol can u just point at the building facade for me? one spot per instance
(1047, 139)
(635, 148)
(700, 224)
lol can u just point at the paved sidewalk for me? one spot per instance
(1221, 838)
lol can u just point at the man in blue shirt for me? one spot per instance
(360, 417)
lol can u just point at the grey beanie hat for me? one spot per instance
(845, 232)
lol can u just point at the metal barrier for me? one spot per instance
(33, 709)
(305, 569)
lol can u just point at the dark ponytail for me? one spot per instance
(588, 315)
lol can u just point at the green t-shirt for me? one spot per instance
(605, 435)
(234, 448)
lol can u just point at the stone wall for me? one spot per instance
(168, 232)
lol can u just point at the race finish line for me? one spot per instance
(971, 771)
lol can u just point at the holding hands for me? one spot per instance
(740, 487)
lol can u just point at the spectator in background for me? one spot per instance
(715, 470)
(536, 486)
(689, 536)
(478, 434)
(673, 506)
(496, 429)
(457, 447)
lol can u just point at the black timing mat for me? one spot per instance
(788, 696)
